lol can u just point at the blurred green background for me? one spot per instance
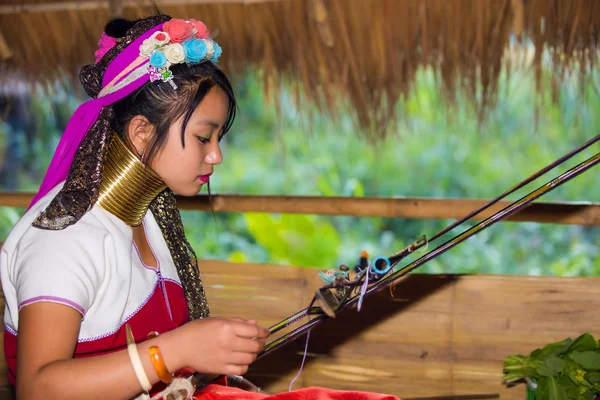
(433, 150)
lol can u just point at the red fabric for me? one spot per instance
(219, 392)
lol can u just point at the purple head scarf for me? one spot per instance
(125, 74)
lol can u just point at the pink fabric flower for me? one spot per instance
(104, 45)
(178, 30)
(202, 30)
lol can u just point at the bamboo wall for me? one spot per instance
(439, 335)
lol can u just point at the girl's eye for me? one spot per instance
(203, 140)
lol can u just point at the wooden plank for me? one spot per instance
(228, 286)
(395, 377)
(573, 213)
(483, 377)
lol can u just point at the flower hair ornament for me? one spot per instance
(179, 42)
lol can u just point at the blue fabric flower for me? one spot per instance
(217, 54)
(195, 50)
(158, 59)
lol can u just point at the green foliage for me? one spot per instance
(429, 155)
(295, 238)
(8, 218)
(433, 150)
(549, 388)
(564, 370)
(589, 360)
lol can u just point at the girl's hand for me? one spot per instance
(225, 346)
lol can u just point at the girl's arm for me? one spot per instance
(47, 336)
(45, 368)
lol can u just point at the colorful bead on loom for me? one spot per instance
(363, 262)
(331, 275)
(378, 270)
(327, 277)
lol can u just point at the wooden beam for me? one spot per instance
(19, 200)
(570, 213)
(106, 4)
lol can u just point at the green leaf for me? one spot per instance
(359, 190)
(535, 356)
(571, 371)
(265, 229)
(585, 342)
(571, 389)
(551, 366)
(589, 360)
(549, 388)
(593, 377)
(513, 377)
(512, 369)
(513, 360)
(556, 348)
(519, 366)
(238, 256)
(324, 186)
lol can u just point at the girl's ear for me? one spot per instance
(139, 132)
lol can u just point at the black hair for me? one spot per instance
(117, 28)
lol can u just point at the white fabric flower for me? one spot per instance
(147, 48)
(160, 38)
(175, 53)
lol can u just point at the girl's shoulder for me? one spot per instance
(95, 225)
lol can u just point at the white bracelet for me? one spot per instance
(136, 362)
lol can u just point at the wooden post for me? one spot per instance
(5, 52)
(518, 11)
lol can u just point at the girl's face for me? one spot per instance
(185, 169)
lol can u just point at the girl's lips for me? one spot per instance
(205, 178)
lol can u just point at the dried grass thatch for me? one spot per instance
(363, 51)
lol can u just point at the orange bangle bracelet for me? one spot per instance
(159, 365)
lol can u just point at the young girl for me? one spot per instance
(103, 294)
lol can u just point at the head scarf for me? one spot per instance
(79, 156)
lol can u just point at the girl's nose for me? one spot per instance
(214, 155)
